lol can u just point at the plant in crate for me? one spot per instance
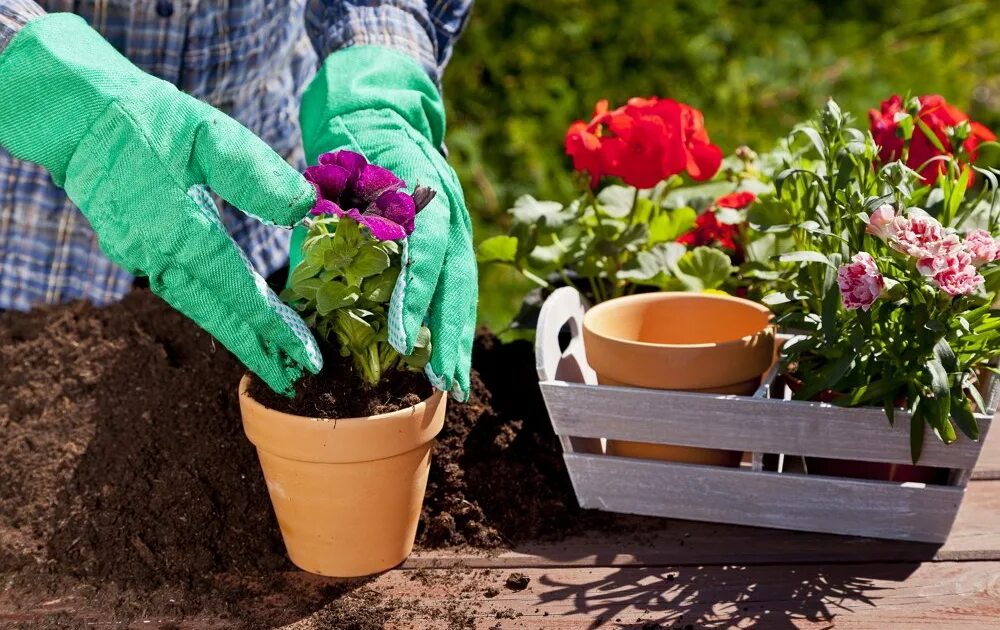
(615, 240)
(347, 490)
(881, 255)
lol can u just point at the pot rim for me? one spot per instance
(405, 412)
(397, 432)
(674, 295)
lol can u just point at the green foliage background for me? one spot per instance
(525, 69)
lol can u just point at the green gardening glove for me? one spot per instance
(381, 103)
(134, 154)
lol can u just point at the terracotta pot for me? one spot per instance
(854, 469)
(877, 471)
(679, 341)
(347, 492)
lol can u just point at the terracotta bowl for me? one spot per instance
(682, 341)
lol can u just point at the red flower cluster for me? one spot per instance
(708, 231)
(644, 142)
(939, 116)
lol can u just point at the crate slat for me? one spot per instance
(782, 501)
(746, 424)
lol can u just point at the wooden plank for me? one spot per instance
(861, 596)
(858, 596)
(988, 466)
(744, 423)
(744, 497)
(640, 541)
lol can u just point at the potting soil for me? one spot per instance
(126, 480)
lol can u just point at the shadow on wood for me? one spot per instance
(722, 597)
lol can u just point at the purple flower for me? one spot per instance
(347, 185)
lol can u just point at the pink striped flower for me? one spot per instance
(881, 222)
(952, 272)
(860, 282)
(982, 247)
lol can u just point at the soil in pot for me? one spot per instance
(679, 341)
(337, 392)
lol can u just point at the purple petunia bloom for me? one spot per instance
(347, 185)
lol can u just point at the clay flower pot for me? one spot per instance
(697, 342)
(347, 492)
(853, 469)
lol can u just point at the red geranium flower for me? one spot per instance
(737, 200)
(708, 231)
(643, 142)
(939, 116)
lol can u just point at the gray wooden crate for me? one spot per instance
(584, 414)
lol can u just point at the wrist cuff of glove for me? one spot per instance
(371, 78)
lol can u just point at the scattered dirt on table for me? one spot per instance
(517, 581)
(127, 483)
(335, 393)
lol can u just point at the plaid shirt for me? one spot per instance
(251, 59)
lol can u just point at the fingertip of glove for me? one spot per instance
(460, 393)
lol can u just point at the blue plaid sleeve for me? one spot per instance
(13, 15)
(424, 29)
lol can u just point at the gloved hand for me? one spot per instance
(133, 153)
(381, 103)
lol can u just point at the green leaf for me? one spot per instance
(500, 248)
(653, 267)
(353, 332)
(379, 288)
(877, 390)
(938, 410)
(917, 432)
(827, 377)
(770, 214)
(335, 295)
(670, 224)
(813, 136)
(307, 288)
(545, 256)
(774, 299)
(945, 355)
(806, 256)
(315, 251)
(421, 354)
(939, 377)
(704, 268)
(304, 271)
(369, 261)
(961, 412)
(549, 214)
(348, 237)
(616, 201)
(831, 314)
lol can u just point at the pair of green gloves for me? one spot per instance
(134, 154)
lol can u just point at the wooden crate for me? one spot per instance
(585, 414)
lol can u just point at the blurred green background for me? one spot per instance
(524, 70)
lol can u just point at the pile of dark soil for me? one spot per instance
(123, 463)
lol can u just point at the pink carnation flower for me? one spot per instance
(982, 247)
(952, 272)
(921, 236)
(860, 282)
(881, 222)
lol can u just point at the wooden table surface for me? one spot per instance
(700, 575)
